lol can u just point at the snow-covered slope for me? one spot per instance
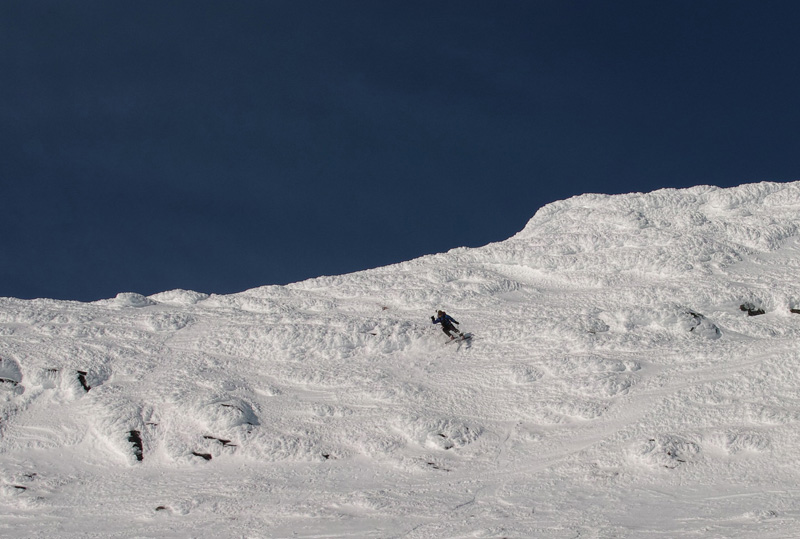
(622, 382)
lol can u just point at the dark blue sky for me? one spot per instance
(219, 146)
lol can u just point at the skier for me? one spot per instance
(447, 322)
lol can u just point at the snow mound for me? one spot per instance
(667, 451)
(179, 297)
(132, 299)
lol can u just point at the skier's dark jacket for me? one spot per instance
(446, 321)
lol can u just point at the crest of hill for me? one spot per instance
(601, 241)
(757, 216)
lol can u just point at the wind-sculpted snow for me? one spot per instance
(633, 372)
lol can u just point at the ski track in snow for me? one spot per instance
(633, 373)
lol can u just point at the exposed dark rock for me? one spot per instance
(82, 380)
(205, 456)
(751, 309)
(231, 406)
(225, 443)
(135, 438)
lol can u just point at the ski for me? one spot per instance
(461, 338)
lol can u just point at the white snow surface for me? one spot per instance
(621, 382)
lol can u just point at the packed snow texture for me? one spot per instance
(634, 372)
